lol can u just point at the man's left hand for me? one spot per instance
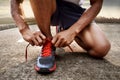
(63, 38)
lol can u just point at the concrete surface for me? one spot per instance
(70, 66)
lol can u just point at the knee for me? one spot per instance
(101, 50)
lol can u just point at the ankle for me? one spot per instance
(49, 38)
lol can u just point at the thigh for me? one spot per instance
(91, 37)
(43, 9)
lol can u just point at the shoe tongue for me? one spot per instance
(47, 42)
(46, 50)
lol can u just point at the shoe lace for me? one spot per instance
(26, 52)
(46, 49)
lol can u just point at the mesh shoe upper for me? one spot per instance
(46, 59)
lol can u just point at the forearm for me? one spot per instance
(17, 14)
(88, 16)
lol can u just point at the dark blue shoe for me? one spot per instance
(46, 60)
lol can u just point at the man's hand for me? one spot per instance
(34, 38)
(64, 38)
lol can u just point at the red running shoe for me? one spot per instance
(46, 60)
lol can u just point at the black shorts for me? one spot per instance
(66, 14)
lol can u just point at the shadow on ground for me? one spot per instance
(70, 66)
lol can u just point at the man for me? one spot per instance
(77, 22)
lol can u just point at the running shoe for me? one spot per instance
(46, 60)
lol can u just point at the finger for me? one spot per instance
(54, 40)
(43, 40)
(39, 40)
(42, 36)
(35, 42)
(62, 44)
(31, 42)
(67, 43)
(58, 42)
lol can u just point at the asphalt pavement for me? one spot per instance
(75, 65)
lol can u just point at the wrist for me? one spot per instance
(23, 29)
(74, 30)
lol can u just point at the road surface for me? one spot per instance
(70, 66)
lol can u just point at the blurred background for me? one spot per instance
(110, 11)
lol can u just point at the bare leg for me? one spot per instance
(93, 40)
(43, 10)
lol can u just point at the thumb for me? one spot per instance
(54, 40)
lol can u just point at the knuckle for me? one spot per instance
(56, 45)
(34, 33)
(28, 39)
(40, 42)
(62, 38)
(67, 43)
(58, 36)
(36, 43)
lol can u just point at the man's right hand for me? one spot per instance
(34, 38)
